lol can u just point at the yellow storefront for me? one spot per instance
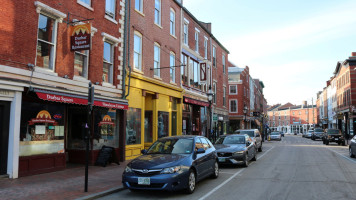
(155, 111)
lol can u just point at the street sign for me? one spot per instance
(215, 117)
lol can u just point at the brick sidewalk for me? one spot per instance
(65, 184)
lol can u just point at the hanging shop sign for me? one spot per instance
(43, 117)
(80, 37)
(106, 121)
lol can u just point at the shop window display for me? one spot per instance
(105, 129)
(163, 124)
(133, 126)
(42, 129)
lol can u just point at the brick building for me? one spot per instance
(44, 85)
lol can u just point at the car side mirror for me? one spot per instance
(200, 150)
(143, 151)
(248, 144)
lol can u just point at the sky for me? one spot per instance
(292, 46)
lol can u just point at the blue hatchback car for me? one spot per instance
(172, 163)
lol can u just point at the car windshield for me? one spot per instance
(275, 133)
(172, 146)
(333, 131)
(231, 140)
(249, 133)
(318, 130)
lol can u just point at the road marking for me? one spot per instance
(229, 179)
(350, 159)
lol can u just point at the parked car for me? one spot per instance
(317, 134)
(352, 147)
(254, 135)
(333, 135)
(172, 163)
(309, 134)
(235, 149)
(276, 136)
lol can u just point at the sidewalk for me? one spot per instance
(65, 184)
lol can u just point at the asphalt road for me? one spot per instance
(294, 168)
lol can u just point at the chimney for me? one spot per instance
(353, 54)
(304, 104)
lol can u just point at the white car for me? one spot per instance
(276, 136)
(309, 134)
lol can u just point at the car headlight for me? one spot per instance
(128, 169)
(171, 170)
(239, 152)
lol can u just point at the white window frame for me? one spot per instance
(196, 37)
(223, 63)
(185, 32)
(158, 11)
(214, 56)
(172, 22)
(109, 13)
(230, 107)
(156, 63)
(57, 16)
(86, 5)
(214, 90)
(139, 64)
(230, 86)
(224, 96)
(172, 63)
(140, 4)
(205, 47)
(86, 63)
(111, 69)
(114, 43)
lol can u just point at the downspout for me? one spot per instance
(126, 49)
(128, 44)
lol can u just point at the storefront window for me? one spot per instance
(77, 128)
(42, 129)
(174, 123)
(133, 126)
(105, 133)
(148, 126)
(163, 124)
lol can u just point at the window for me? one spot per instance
(233, 89)
(87, 2)
(163, 124)
(81, 63)
(194, 73)
(233, 106)
(184, 69)
(172, 22)
(214, 56)
(138, 5)
(223, 62)
(172, 58)
(156, 59)
(108, 63)
(185, 34)
(214, 90)
(206, 48)
(224, 96)
(174, 116)
(158, 12)
(133, 126)
(110, 8)
(137, 51)
(46, 42)
(196, 41)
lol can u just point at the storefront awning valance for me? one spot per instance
(196, 102)
(78, 99)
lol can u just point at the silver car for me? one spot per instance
(276, 136)
(254, 134)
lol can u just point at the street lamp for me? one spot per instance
(245, 112)
(210, 95)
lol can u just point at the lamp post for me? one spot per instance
(245, 112)
(210, 95)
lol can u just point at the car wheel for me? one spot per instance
(327, 142)
(260, 149)
(246, 161)
(351, 154)
(216, 170)
(191, 182)
(254, 157)
(323, 141)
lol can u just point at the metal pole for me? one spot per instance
(87, 137)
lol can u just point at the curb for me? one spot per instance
(102, 194)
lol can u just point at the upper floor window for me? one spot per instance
(172, 22)
(156, 58)
(185, 33)
(206, 48)
(110, 8)
(46, 42)
(224, 96)
(233, 106)
(223, 62)
(214, 56)
(87, 2)
(194, 73)
(233, 89)
(138, 5)
(196, 41)
(108, 65)
(137, 51)
(184, 69)
(81, 63)
(158, 12)
(214, 90)
(172, 61)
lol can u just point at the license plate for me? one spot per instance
(144, 180)
(221, 159)
(336, 138)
